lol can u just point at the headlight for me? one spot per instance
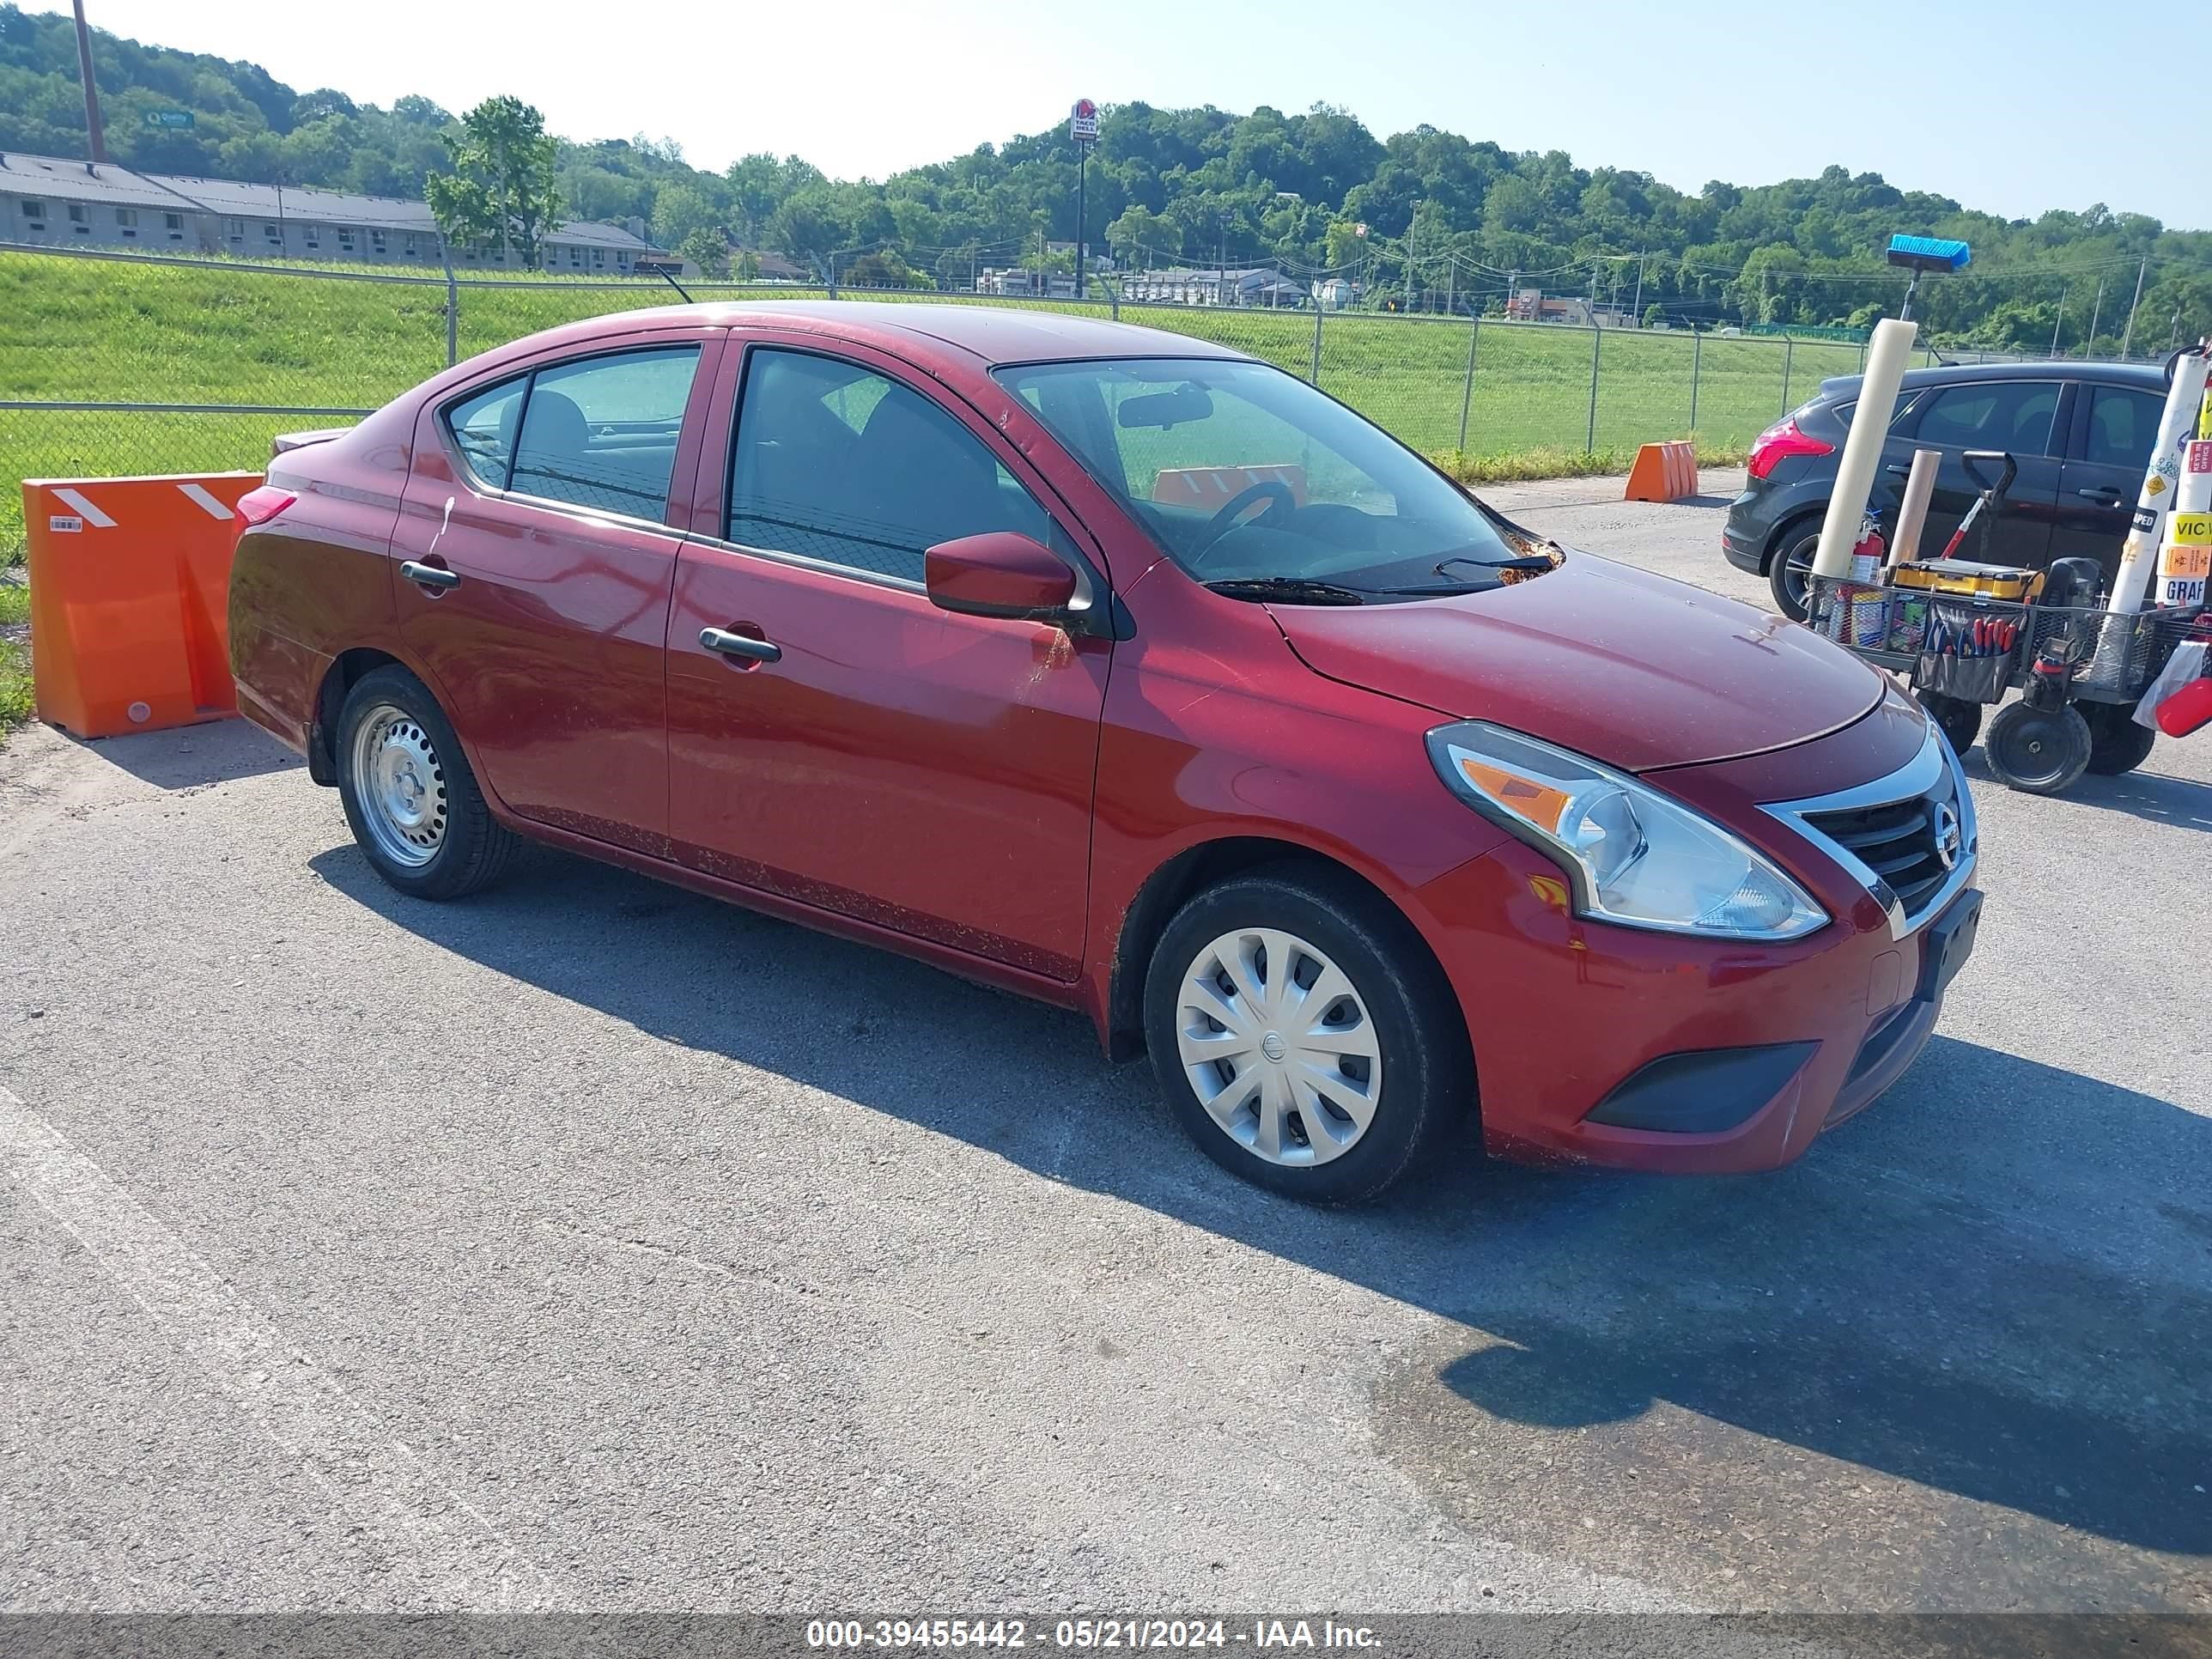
(1636, 857)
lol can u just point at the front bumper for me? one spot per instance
(1600, 1044)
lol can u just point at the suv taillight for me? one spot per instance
(260, 505)
(1779, 441)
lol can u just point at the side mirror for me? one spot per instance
(1001, 573)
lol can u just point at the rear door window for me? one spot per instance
(602, 433)
(483, 429)
(2014, 416)
(2123, 427)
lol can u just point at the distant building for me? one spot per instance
(47, 200)
(1196, 286)
(1018, 284)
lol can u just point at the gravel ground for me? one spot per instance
(595, 1245)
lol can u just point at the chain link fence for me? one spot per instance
(117, 364)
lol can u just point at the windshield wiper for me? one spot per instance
(1290, 590)
(1530, 563)
(1522, 562)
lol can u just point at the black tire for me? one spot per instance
(1426, 1079)
(1792, 561)
(472, 849)
(1960, 718)
(2117, 743)
(2036, 751)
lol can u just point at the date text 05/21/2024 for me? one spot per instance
(1131, 1634)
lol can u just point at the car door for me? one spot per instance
(928, 772)
(2114, 428)
(2019, 416)
(537, 562)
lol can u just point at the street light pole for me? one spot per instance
(97, 139)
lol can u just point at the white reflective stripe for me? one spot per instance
(91, 514)
(198, 495)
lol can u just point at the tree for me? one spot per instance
(503, 187)
(1654, 315)
(682, 211)
(709, 250)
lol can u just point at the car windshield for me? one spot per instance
(1257, 484)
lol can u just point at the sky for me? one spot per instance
(2011, 109)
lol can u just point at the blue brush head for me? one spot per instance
(1929, 253)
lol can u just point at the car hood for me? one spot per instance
(1614, 662)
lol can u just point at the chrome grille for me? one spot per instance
(1897, 841)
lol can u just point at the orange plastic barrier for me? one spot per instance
(1663, 472)
(129, 599)
(1216, 486)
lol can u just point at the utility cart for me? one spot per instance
(2080, 669)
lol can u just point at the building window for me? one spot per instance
(408, 246)
(33, 211)
(79, 214)
(312, 235)
(345, 239)
(575, 256)
(174, 224)
(274, 233)
(376, 242)
(235, 228)
(598, 256)
(126, 221)
(622, 259)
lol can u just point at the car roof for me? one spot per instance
(988, 334)
(2147, 377)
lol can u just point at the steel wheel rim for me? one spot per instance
(1279, 1047)
(400, 786)
(1797, 573)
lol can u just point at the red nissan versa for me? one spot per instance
(1129, 673)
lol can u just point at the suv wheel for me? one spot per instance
(1791, 567)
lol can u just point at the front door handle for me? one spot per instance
(2102, 495)
(430, 576)
(725, 643)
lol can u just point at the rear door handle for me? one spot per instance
(2103, 495)
(430, 576)
(1898, 468)
(725, 643)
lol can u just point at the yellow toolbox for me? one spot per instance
(1980, 582)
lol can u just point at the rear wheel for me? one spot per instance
(1959, 718)
(2038, 751)
(409, 797)
(2117, 743)
(1790, 569)
(1303, 1036)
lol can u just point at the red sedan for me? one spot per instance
(1131, 674)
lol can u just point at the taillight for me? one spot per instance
(1778, 442)
(259, 506)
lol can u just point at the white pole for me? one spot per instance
(1885, 371)
(2185, 559)
(1912, 511)
(2139, 553)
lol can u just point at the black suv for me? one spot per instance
(2081, 434)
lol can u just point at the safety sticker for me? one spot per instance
(64, 524)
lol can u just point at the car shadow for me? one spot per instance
(1951, 1290)
(192, 756)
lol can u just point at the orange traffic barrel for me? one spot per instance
(129, 599)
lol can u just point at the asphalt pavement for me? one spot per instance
(595, 1245)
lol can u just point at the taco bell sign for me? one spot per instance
(1083, 123)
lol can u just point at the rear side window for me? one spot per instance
(602, 433)
(840, 465)
(2009, 415)
(484, 431)
(2123, 427)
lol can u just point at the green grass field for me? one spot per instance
(74, 329)
(14, 653)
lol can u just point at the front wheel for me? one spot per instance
(409, 797)
(2038, 751)
(1789, 572)
(1960, 719)
(1303, 1036)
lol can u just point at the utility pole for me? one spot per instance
(1636, 304)
(2128, 334)
(1221, 293)
(2059, 321)
(2096, 310)
(99, 139)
